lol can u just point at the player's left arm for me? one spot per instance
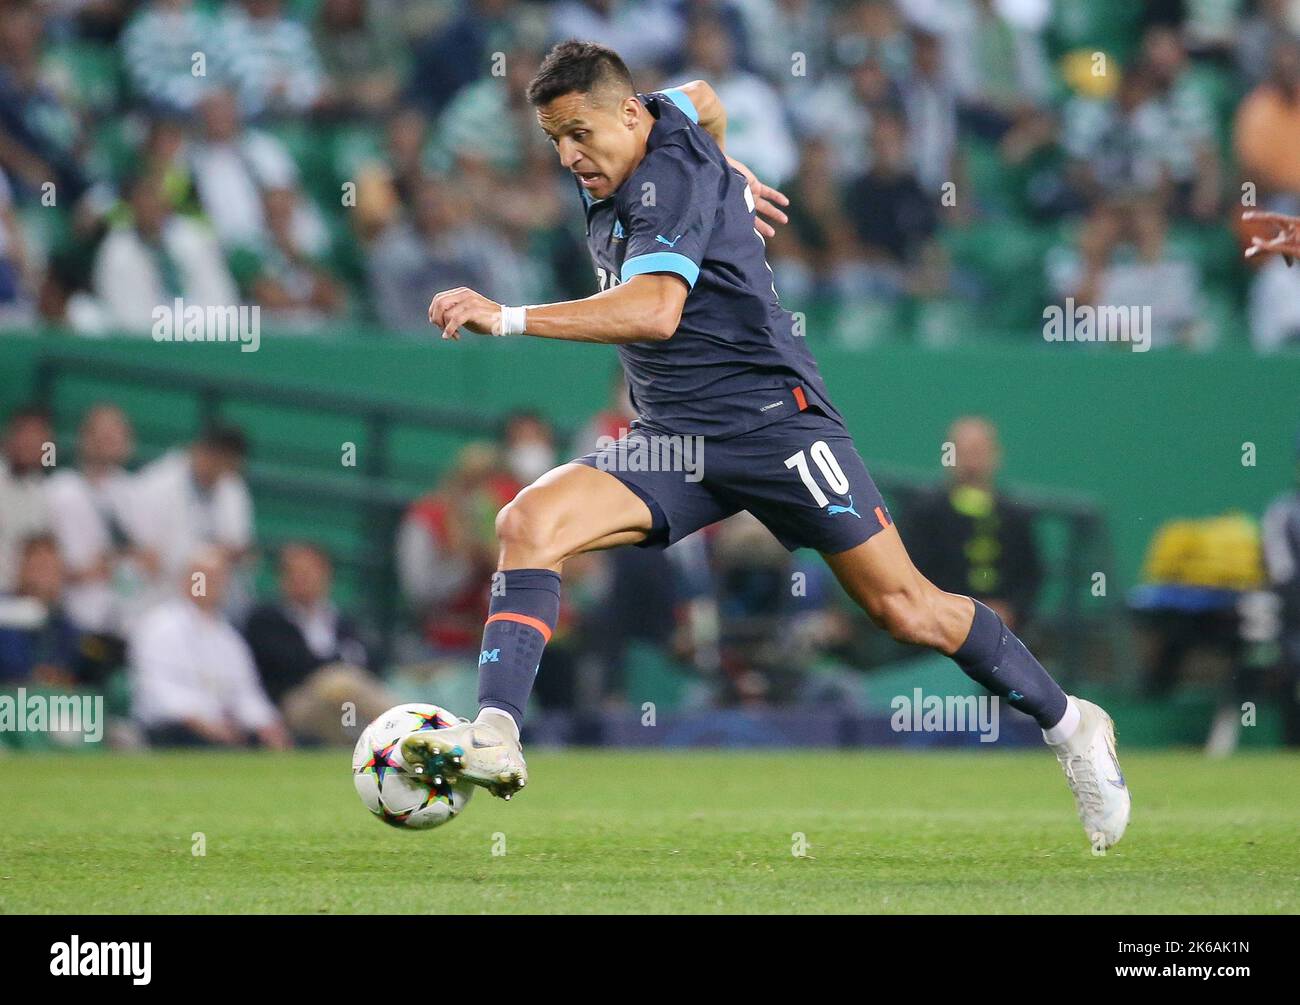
(646, 308)
(709, 112)
(707, 108)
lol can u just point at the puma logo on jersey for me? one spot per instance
(663, 240)
(834, 510)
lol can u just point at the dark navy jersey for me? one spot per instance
(735, 362)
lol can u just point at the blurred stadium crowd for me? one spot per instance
(141, 583)
(954, 165)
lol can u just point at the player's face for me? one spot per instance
(598, 140)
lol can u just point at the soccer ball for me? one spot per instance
(384, 780)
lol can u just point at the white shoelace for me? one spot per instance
(1083, 779)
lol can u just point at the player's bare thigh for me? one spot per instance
(880, 577)
(569, 510)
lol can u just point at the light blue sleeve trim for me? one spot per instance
(678, 97)
(661, 261)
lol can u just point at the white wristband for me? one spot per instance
(513, 320)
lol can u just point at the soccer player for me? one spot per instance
(676, 228)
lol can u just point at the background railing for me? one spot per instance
(302, 488)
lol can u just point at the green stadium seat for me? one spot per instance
(1111, 26)
(650, 671)
(1008, 257)
(943, 322)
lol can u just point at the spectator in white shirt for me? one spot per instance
(440, 247)
(94, 516)
(930, 104)
(1273, 307)
(157, 257)
(996, 53)
(233, 167)
(26, 451)
(645, 33)
(271, 57)
(790, 41)
(159, 50)
(196, 496)
(193, 680)
(757, 130)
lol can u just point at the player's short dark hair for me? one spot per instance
(225, 439)
(579, 67)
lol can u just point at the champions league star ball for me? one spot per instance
(384, 780)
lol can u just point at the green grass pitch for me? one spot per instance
(633, 831)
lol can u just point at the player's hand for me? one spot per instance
(766, 200)
(460, 308)
(1286, 242)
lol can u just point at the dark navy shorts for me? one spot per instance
(800, 476)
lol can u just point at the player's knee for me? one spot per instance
(524, 525)
(908, 617)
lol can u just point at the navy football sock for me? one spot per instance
(520, 621)
(993, 657)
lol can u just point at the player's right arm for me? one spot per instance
(668, 216)
(646, 308)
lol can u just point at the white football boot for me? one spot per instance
(479, 752)
(1093, 772)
